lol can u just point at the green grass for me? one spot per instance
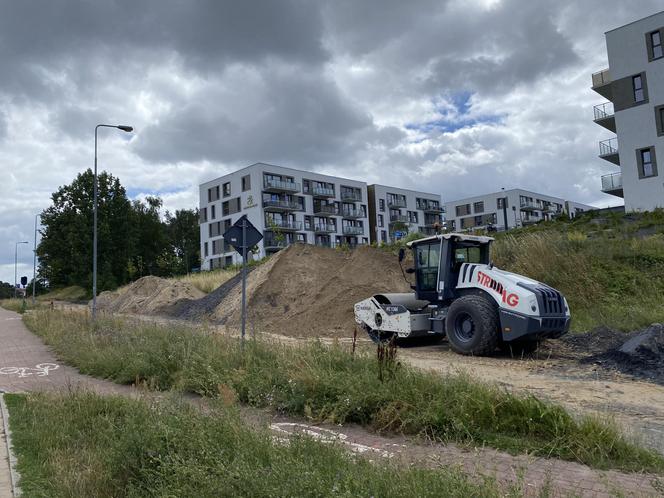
(111, 446)
(73, 293)
(18, 305)
(328, 384)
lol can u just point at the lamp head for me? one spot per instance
(126, 128)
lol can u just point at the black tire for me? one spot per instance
(472, 325)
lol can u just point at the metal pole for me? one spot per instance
(505, 212)
(15, 268)
(34, 262)
(244, 277)
(94, 237)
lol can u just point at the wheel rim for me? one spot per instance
(464, 327)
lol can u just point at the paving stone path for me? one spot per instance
(27, 364)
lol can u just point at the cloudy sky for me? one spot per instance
(452, 96)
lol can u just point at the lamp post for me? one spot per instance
(127, 129)
(16, 265)
(34, 262)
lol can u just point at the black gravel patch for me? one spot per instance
(639, 354)
(201, 309)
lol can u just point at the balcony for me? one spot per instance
(324, 243)
(605, 116)
(602, 83)
(398, 218)
(325, 210)
(325, 228)
(432, 222)
(612, 184)
(322, 192)
(427, 230)
(282, 205)
(530, 206)
(270, 185)
(608, 150)
(352, 230)
(431, 209)
(529, 221)
(396, 203)
(353, 213)
(348, 196)
(284, 225)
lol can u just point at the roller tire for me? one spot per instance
(472, 325)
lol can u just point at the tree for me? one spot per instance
(65, 250)
(6, 290)
(183, 233)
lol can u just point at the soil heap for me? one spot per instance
(302, 291)
(147, 295)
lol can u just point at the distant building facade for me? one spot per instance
(394, 212)
(634, 86)
(516, 207)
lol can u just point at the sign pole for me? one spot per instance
(244, 277)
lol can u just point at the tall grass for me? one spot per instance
(331, 385)
(109, 446)
(208, 281)
(609, 280)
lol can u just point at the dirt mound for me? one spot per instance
(639, 353)
(147, 295)
(309, 291)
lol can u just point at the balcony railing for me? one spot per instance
(272, 244)
(351, 196)
(325, 210)
(283, 205)
(396, 203)
(603, 111)
(353, 213)
(398, 218)
(281, 185)
(322, 192)
(608, 150)
(602, 77)
(530, 206)
(612, 182)
(284, 225)
(325, 228)
(352, 230)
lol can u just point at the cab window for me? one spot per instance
(467, 255)
(428, 257)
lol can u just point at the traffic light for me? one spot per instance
(24, 281)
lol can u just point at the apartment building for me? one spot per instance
(393, 212)
(512, 208)
(287, 205)
(634, 113)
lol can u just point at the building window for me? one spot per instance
(380, 221)
(227, 189)
(637, 84)
(659, 119)
(656, 51)
(205, 249)
(647, 163)
(213, 194)
(203, 215)
(463, 210)
(478, 207)
(381, 204)
(213, 212)
(500, 201)
(246, 183)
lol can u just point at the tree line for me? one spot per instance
(134, 240)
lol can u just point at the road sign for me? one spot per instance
(24, 281)
(242, 236)
(233, 236)
(398, 235)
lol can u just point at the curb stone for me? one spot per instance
(13, 474)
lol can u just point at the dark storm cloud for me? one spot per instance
(68, 37)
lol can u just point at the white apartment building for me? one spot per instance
(393, 212)
(286, 205)
(517, 207)
(634, 86)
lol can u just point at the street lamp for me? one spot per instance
(16, 265)
(127, 129)
(34, 262)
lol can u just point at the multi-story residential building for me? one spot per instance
(393, 212)
(634, 86)
(516, 206)
(286, 205)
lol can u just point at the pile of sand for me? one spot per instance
(309, 291)
(147, 296)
